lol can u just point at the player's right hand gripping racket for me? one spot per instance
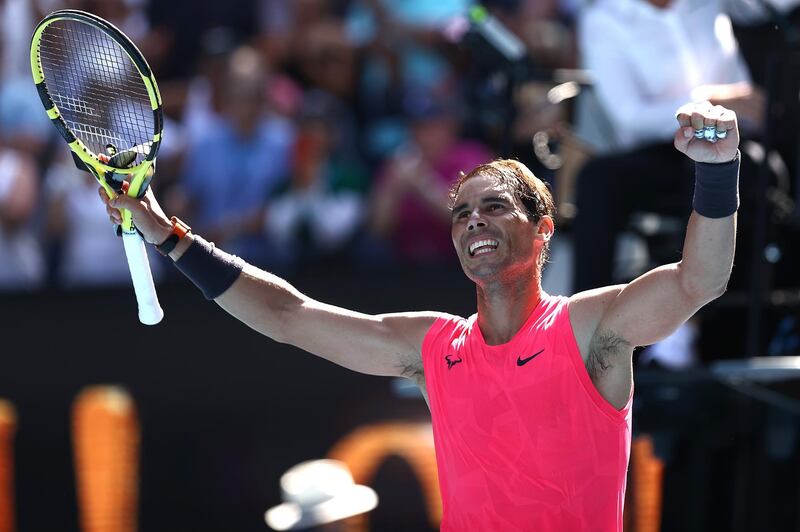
(100, 94)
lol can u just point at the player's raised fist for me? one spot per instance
(707, 133)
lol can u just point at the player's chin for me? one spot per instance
(483, 266)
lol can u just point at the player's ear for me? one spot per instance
(545, 228)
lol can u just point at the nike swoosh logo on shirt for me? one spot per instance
(523, 361)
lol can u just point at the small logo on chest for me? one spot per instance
(452, 361)
(522, 361)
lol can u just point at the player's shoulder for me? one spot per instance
(421, 316)
(419, 324)
(596, 296)
(444, 326)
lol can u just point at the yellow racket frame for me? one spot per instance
(140, 174)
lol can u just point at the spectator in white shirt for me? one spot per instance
(646, 57)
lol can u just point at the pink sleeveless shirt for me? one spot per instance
(524, 441)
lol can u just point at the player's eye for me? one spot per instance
(495, 207)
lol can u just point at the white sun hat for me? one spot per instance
(318, 492)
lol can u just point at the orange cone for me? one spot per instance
(8, 427)
(105, 435)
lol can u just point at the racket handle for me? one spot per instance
(150, 311)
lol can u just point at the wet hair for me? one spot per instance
(532, 192)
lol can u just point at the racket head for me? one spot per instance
(101, 96)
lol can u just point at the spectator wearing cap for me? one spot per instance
(408, 210)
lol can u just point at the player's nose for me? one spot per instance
(475, 221)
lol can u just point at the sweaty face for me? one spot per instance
(491, 230)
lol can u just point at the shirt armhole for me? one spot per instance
(571, 343)
(443, 325)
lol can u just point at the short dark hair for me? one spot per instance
(534, 193)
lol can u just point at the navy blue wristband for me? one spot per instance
(212, 270)
(716, 188)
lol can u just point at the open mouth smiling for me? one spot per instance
(482, 246)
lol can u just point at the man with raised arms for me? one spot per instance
(530, 397)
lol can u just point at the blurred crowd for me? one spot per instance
(319, 134)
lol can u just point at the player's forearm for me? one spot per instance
(257, 298)
(711, 234)
(707, 256)
(263, 302)
(387, 344)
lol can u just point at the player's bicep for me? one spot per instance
(651, 307)
(385, 344)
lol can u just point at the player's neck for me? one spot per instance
(504, 307)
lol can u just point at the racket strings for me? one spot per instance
(97, 88)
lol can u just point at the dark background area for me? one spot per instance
(224, 412)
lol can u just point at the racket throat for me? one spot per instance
(119, 159)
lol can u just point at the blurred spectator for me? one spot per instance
(184, 23)
(17, 18)
(21, 259)
(544, 26)
(193, 106)
(325, 58)
(510, 98)
(283, 24)
(233, 168)
(87, 252)
(409, 30)
(131, 16)
(23, 124)
(128, 15)
(317, 216)
(409, 208)
(205, 91)
(647, 57)
(402, 43)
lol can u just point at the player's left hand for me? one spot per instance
(697, 116)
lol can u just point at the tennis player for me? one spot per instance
(531, 396)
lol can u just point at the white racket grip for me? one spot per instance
(150, 311)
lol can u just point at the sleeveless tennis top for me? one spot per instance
(524, 441)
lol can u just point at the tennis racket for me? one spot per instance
(101, 96)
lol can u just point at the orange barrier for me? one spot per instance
(645, 490)
(8, 428)
(366, 448)
(105, 435)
